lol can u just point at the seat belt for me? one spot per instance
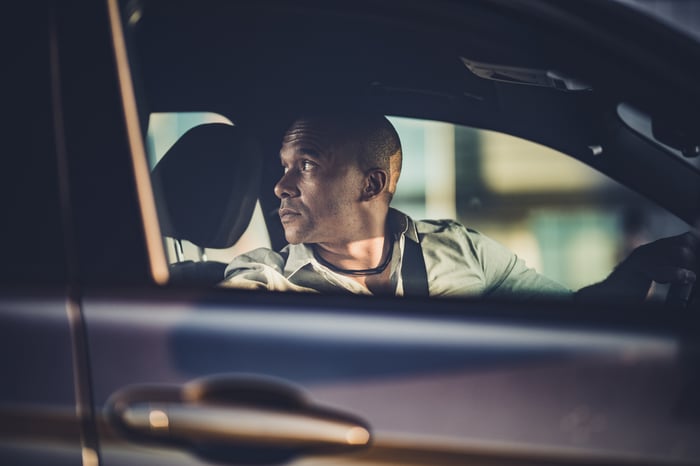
(413, 273)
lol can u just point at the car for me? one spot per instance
(141, 150)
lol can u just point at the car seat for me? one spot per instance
(205, 188)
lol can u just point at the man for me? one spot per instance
(340, 173)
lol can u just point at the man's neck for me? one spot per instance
(366, 253)
(365, 262)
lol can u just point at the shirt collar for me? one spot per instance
(401, 224)
(301, 255)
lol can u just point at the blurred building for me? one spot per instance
(564, 218)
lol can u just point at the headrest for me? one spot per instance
(207, 184)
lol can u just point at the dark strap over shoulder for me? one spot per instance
(413, 273)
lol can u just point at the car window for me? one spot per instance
(566, 220)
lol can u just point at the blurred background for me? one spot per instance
(566, 220)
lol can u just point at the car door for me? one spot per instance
(41, 358)
(195, 375)
(442, 388)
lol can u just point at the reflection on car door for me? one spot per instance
(427, 385)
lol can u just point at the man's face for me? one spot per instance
(321, 188)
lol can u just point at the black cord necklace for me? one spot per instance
(358, 272)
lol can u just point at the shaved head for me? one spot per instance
(372, 139)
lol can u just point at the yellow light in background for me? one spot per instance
(440, 189)
(513, 165)
(586, 264)
(522, 240)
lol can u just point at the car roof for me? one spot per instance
(262, 63)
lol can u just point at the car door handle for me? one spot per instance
(241, 425)
(235, 420)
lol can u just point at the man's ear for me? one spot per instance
(375, 183)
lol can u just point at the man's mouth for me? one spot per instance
(288, 214)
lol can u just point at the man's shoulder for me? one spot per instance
(451, 233)
(445, 226)
(426, 226)
(432, 227)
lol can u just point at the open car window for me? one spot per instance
(566, 220)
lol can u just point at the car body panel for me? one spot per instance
(38, 416)
(440, 381)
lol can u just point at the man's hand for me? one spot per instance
(674, 260)
(668, 260)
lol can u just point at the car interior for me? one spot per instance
(259, 67)
(205, 188)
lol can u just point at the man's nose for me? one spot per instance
(286, 187)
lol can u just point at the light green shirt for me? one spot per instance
(458, 262)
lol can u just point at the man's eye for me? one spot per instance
(307, 165)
